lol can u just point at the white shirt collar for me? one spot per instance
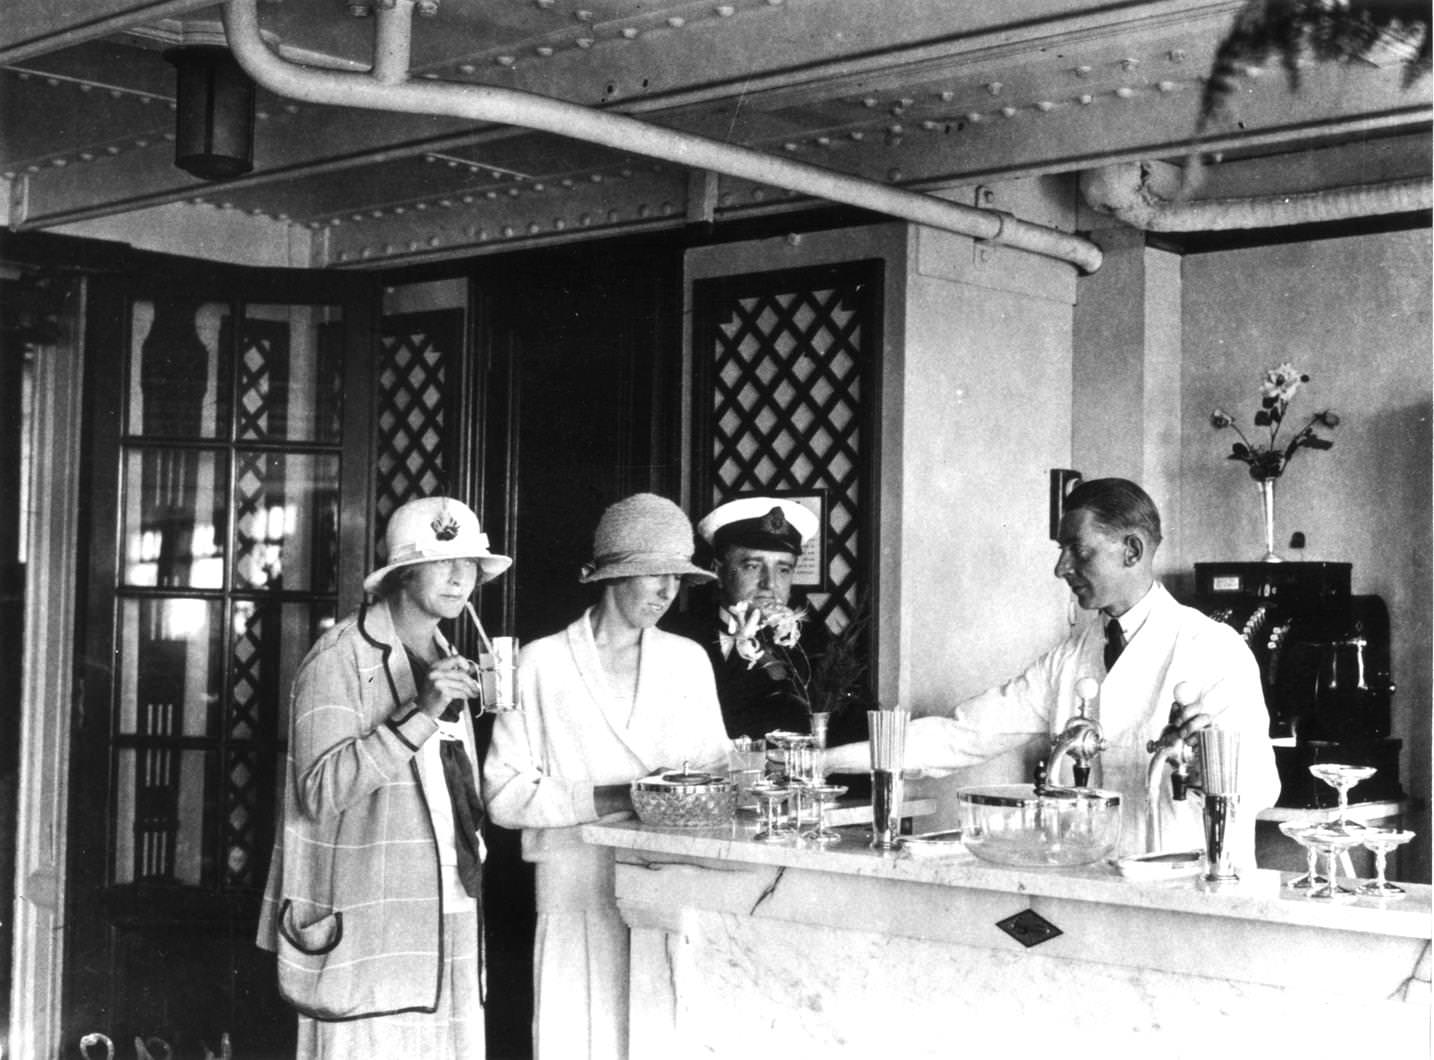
(1132, 620)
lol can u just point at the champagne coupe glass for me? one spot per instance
(823, 794)
(1298, 831)
(1332, 842)
(1342, 778)
(770, 797)
(1380, 841)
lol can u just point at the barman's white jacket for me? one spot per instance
(1172, 644)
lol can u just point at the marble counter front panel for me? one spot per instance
(743, 948)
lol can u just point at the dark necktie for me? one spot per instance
(462, 794)
(467, 812)
(1114, 643)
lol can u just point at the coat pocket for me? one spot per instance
(314, 938)
(314, 978)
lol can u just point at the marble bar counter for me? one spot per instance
(748, 949)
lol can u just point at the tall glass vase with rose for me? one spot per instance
(1268, 457)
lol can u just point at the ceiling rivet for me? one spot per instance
(1176, 55)
(1125, 91)
(725, 10)
(1008, 111)
(1166, 86)
(894, 174)
(544, 50)
(1129, 64)
(584, 42)
(947, 96)
(630, 32)
(994, 88)
(1045, 106)
(642, 209)
(1085, 99)
(467, 69)
(505, 60)
(677, 22)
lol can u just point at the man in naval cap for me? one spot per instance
(755, 543)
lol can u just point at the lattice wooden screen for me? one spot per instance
(785, 361)
(415, 398)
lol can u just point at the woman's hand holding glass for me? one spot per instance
(450, 678)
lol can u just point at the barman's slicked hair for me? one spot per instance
(1118, 505)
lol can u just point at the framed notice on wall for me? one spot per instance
(811, 572)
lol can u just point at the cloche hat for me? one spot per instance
(771, 523)
(431, 528)
(643, 534)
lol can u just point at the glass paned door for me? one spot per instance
(219, 473)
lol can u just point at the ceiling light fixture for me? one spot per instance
(214, 131)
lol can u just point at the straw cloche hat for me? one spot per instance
(643, 534)
(433, 528)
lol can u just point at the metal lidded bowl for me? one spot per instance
(684, 798)
(1014, 824)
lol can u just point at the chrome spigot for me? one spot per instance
(1081, 739)
(1171, 748)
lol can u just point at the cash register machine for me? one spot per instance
(1324, 658)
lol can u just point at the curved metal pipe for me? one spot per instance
(383, 90)
(1145, 195)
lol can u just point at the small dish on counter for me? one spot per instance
(933, 844)
(1161, 865)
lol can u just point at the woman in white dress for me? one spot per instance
(604, 702)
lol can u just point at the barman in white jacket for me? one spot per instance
(1109, 534)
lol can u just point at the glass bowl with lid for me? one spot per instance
(684, 798)
(1014, 824)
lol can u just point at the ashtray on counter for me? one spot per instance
(933, 844)
(1014, 824)
(683, 799)
(1161, 865)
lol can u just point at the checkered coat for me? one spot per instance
(353, 906)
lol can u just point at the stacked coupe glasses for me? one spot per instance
(1334, 837)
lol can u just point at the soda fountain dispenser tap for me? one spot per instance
(1172, 749)
(1081, 739)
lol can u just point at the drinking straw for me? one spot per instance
(888, 738)
(483, 636)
